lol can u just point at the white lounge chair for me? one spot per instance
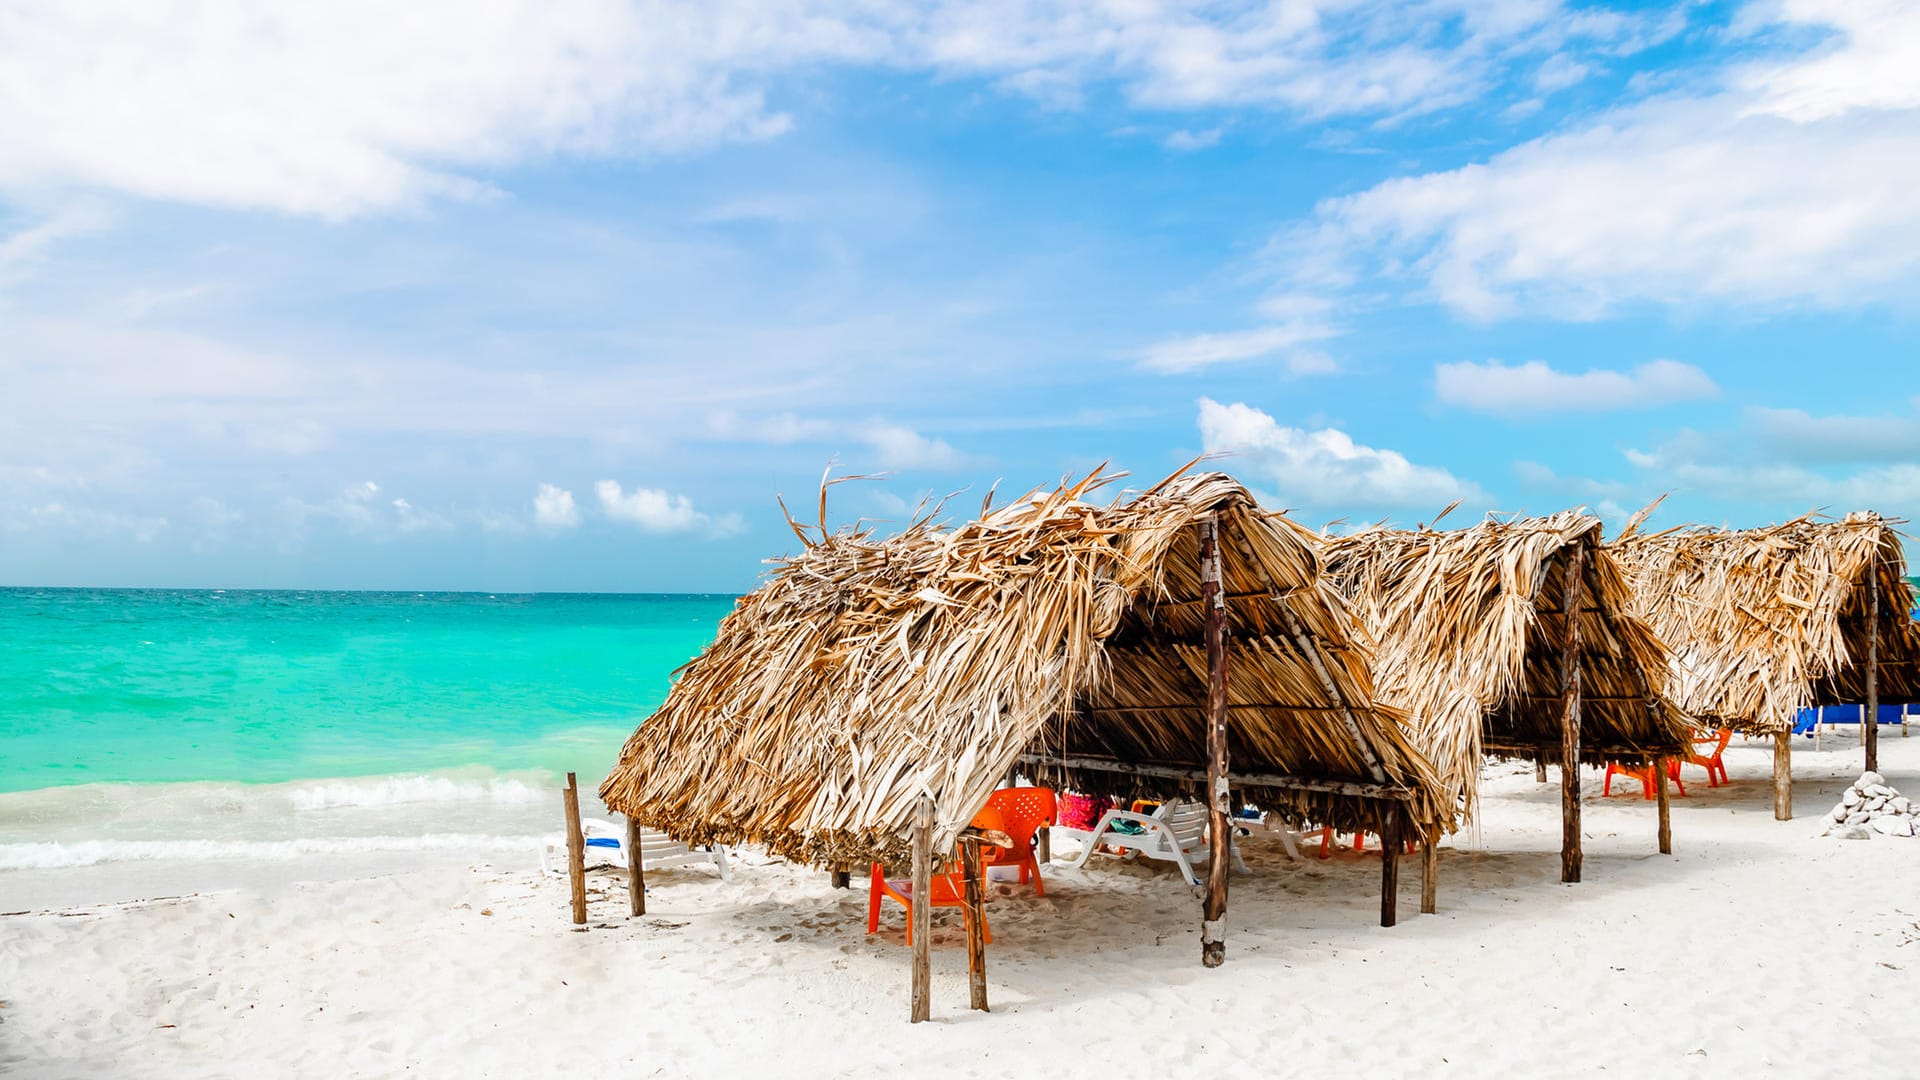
(1175, 833)
(1267, 824)
(607, 846)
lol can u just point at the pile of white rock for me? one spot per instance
(1869, 807)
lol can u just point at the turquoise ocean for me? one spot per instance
(142, 725)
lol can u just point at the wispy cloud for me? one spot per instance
(1681, 199)
(339, 109)
(1199, 351)
(887, 444)
(1184, 141)
(1535, 388)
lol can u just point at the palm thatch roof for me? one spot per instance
(1765, 622)
(1053, 633)
(1470, 627)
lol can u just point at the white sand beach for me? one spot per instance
(1756, 949)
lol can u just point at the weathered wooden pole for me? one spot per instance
(1783, 776)
(920, 919)
(1429, 876)
(1663, 804)
(1390, 867)
(1213, 911)
(976, 926)
(1570, 720)
(842, 879)
(636, 870)
(1540, 771)
(1043, 843)
(576, 851)
(1870, 713)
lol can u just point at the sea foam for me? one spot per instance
(54, 855)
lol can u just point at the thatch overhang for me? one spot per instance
(1765, 622)
(1054, 634)
(1470, 627)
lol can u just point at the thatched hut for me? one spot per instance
(868, 677)
(1765, 622)
(1472, 635)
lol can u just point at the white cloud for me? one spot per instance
(1534, 387)
(1325, 469)
(1199, 351)
(1790, 186)
(656, 510)
(1184, 141)
(1787, 456)
(362, 510)
(1869, 65)
(901, 447)
(340, 108)
(553, 508)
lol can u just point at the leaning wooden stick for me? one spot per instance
(576, 852)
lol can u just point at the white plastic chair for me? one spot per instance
(657, 850)
(1175, 833)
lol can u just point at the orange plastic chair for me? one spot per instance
(1023, 811)
(1644, 774)
(1716, 768)
(947, 890)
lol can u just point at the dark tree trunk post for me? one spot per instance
(576, 851)
(1664, 804)
(1870, 712)
(636, 870)
(1570, 720)
(976, 926)
(1429, 876)
(1213, 911)
(842, 879)
(1783, 776)
(920, 921)
(1390, 866)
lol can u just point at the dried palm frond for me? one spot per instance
(1765, 622)
(866, 672)
(1469, 627)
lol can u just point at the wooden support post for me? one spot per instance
(1213, 911)
(1043, 844)
(920, 920)
(1390, 843)
(976, 926)
(1663, 804)
(1870, 712)
(1429, 875)
(1570, 719)
(1540, 771)
(576, 851)
(1783, 776)
(842, 879)
(636, 870)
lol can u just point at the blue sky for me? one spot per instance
(525, 296)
